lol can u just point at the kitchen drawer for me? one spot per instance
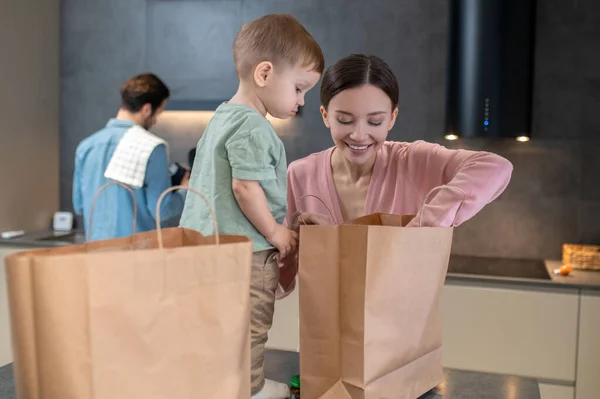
(495, 328)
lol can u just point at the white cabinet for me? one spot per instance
(551, 334)
(499, 329)
(548, 391)
(5, 344)
(5, 352)
(284, 334)
(588, 360)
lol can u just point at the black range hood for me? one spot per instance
(490, 69)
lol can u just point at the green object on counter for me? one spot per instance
(295, 387)
(295, 381)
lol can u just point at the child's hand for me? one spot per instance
(284, 239)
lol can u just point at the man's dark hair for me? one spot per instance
(142, 89)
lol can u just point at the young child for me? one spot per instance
(241, 166)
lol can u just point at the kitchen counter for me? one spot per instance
(519, 272)
(461, 268)
(7, 384)
(281, 365)
(45, 239)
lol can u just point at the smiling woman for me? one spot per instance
(359, 98)
(364, 174)
(359, 130)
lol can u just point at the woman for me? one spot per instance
(364, 174)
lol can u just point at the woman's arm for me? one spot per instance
(288, 266)
(481, 176)
(303, 179)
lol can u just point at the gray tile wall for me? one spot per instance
(554, 196)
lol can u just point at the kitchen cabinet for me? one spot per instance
(491, 327)
(5, 344)
(284, 334)
(588, 359)
(5, 337)
(551, 333)
(549, 391)
(501, 329)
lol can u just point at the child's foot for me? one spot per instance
(273, 390)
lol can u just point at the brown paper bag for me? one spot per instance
(129, 318)
(370, 323)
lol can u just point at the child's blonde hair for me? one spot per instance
(277, 38)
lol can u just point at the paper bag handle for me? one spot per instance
(210, 209)
(322, 202)
(439, 188)
(112, 183)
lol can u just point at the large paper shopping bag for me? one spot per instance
(156, 315)
(370, 323)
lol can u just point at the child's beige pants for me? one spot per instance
(265, 277)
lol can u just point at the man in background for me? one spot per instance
(124, 151)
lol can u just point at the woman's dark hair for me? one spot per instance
(357, 70)
(143, 89)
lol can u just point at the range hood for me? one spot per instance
(490, 69)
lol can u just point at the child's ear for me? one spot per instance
(324, 115)
(262, 73)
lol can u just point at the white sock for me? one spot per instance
(273, 390)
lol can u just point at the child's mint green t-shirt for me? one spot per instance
(237, 143)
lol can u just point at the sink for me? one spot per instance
(499, 267)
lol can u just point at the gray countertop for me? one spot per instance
(7, 384)
(45, 239)
(470, 269)
(280, 366)
(577, 279)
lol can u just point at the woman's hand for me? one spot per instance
(307, 218)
